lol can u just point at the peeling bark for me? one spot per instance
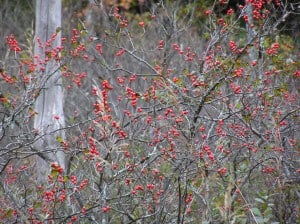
(49, 102)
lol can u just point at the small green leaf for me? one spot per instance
(79, 26)
(58, 29)
(37, 204)
(259, 200)
(256, 212)
(59, 139)
(72, 119)
(54, 173)
(66, 178)
(206, 35)
(261, 220)
(9, 212)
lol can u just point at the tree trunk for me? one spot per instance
(49, 120)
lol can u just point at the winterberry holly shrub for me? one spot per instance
(165, 123)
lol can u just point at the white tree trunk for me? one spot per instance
(49, 103)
